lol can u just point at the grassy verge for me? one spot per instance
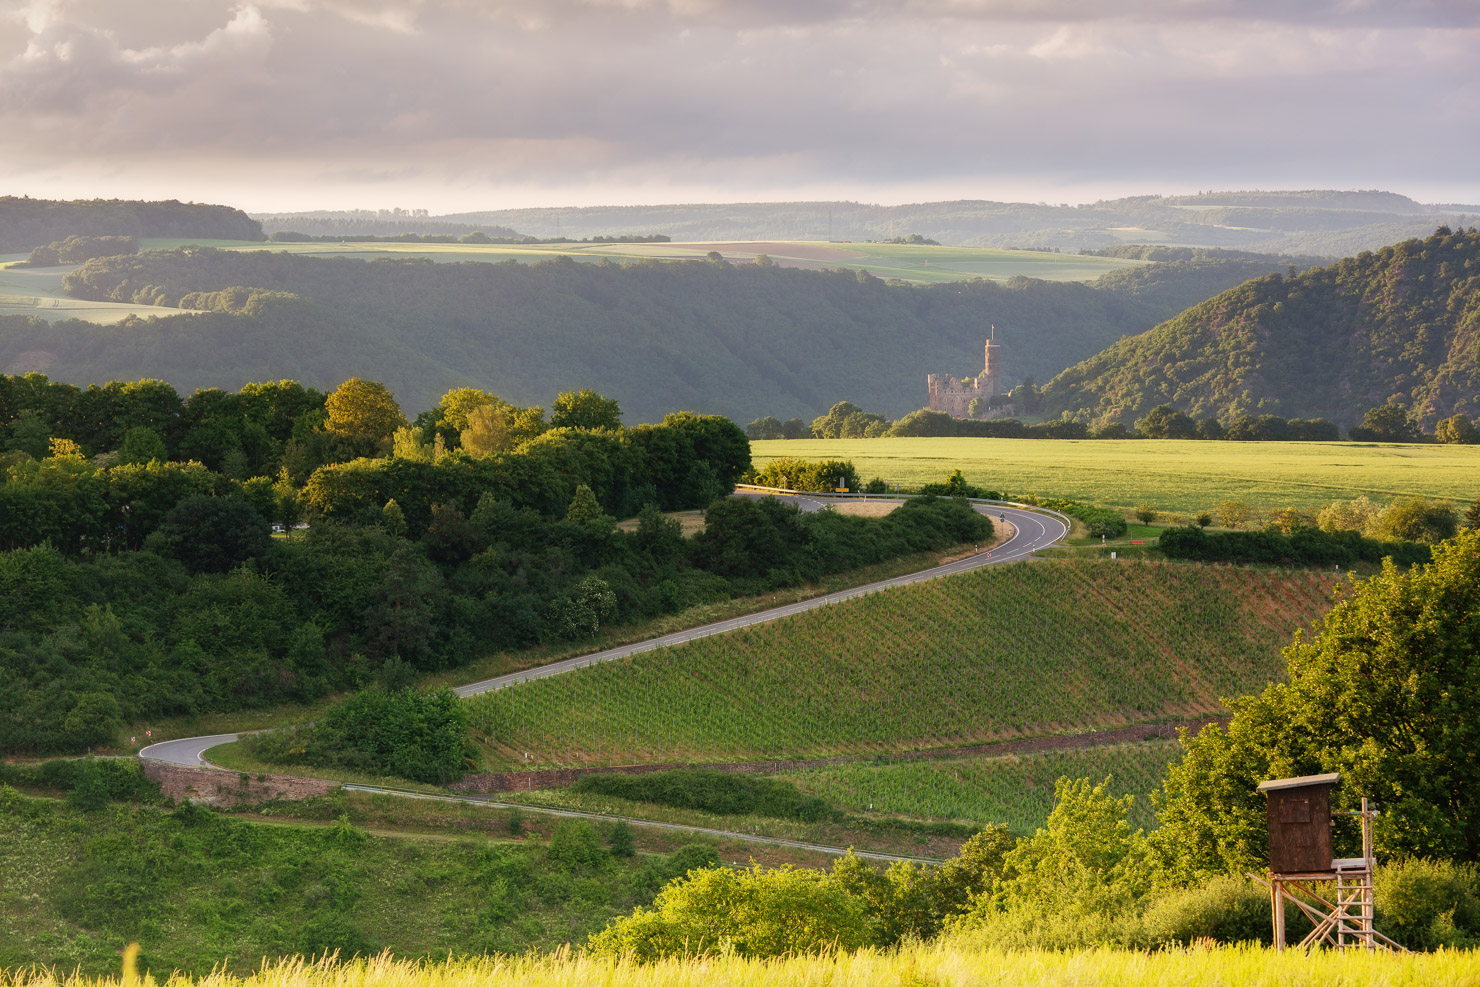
(881, 834)
(391, 814)
(237, 757)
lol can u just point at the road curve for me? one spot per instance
(1031, 531)
(187, 751)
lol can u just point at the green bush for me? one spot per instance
(711, 791)
(576, 844)
(1224, 909)
(1425, 904)
(105, 778)
(423, 736)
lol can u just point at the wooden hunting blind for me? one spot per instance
(1299, 813)
(1300, 824)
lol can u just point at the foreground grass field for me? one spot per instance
(954, 964)
(1182, 476)
(924, 264)
(1021, 650)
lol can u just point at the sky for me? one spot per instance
(462, 105)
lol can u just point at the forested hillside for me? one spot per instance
(26, 223)
(742, 340)
(1401, 325)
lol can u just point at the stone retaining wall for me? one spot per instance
(211, 786)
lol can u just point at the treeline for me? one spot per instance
(743, 339)
(1386, 423)
(26, 223)
(1397, 326)
(77, 249)
(476, 236)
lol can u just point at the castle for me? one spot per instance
(954, 396)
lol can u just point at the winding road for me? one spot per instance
(1031, 531)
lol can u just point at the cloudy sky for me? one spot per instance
(456, 105)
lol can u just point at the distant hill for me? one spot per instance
(1401, 324)
(744, 340)
(27, 223)
(1254, 220)
(363, 222)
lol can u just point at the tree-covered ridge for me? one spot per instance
(744, 340)
(26, 223)
(1401, 325)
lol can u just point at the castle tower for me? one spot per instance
(992, 370)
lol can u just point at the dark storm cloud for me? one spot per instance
(750, 96)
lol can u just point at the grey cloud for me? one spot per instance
(756, 95)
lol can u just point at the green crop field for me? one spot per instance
(27, 291)
(1183, 476)
(909, 262)
(1021, 650)
(1015, 791)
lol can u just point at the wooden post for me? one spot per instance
(1277, 890)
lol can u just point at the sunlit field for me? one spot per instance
(1183, 476)
(910, 262)
(959, 965)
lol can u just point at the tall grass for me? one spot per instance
(922, 966)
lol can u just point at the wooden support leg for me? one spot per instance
(1277, 892)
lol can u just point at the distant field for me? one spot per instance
(27, 291)
(1181, 476)
(910, 262)
(1021, 650)
(1015, 791)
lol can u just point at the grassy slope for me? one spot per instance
(1185, 476)
(959, 963)
(1019, 650)
(1015, 791)
(193, 891)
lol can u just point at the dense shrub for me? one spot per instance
(711, 791)
(423, 736)
(1424, 904)
(1224, 909)
(115, 778)
(1303, 546)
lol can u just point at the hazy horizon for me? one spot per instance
(456, 106)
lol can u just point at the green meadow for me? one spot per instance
(911, 262)
(1180, 476)
(27, 291)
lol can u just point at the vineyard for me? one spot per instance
(1014, 791)
(1011, 651)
